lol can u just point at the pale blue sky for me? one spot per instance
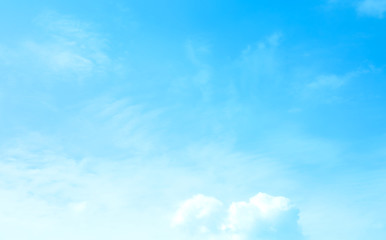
(119, 116)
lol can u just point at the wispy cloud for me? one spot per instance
(89, 155)
(66, 49)
(263, 58)
(327, 88)
(327, 81)
(373, 8)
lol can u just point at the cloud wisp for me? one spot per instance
(373, 8)
(66, 49)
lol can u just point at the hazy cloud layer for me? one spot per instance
(107, 126)
(374, 8)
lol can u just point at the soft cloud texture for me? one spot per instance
(262, 217)
(374, 8)
(67, 50)
(198, 214)
(327, 81)
(106, 126)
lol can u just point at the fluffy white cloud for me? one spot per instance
(243, 215)
(375, 8)
(199, 213)
(262, 217)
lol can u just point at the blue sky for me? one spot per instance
(222, 120)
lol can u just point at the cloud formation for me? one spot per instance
(199, 214)
(261, 217)
(374, 8)
(66, 49)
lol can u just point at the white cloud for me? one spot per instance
(198, 214)
(374, 8)
(262, 206)
(262, 217)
